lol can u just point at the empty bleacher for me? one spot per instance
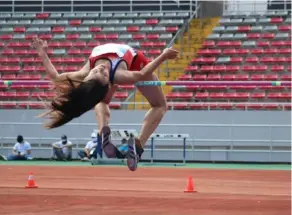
(71, 37)
(243, 47)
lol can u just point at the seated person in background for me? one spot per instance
(20, 151)
(62, 149)
(87, 153)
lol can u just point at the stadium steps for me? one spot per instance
(176, 68)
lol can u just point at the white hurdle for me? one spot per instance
(119, 134)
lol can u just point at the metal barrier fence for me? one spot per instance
(265, 146)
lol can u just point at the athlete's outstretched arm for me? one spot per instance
(132, 77)
(41, 47)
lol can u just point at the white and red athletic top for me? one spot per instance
(117, 53)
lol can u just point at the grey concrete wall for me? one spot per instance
(222, 142)
(211, 9)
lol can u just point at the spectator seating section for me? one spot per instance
(71, 37)
(243, 47)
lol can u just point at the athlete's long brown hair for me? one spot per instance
(73, 99)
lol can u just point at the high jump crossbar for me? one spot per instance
(168, 83)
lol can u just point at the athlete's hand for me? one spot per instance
(170, 53)
(40, 45)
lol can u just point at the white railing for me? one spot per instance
(97, 6)
(171, 105)
(246, 6)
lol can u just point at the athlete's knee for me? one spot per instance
(161, 106)
(102, 108)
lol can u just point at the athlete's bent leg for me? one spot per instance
(158, 103)
(102, 112)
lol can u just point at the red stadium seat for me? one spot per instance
(8, 52)
(236, 60)
(271, 51)
(231, 68)
(121, 95)
(180, 95)
(268, 36)
(277, 68)
(28, 77)
(112, 36)
(9, 105)
(114, 106)
(28, 60)
(74, 52)
(19, 29)
(219, 68)
(228, 77)
(258, 95)
(192, 69)
(241, 77)
(13, 60)
(159, 44)
(276, 20)
(22, 95)
(199, 77)
(185, 77)
(172, 29)
(271, 77)
(248, 68)
(263, 43)
(208, 44)
(42, 15)
(202, 95)
(216, 95)
(206, 68)
(251, 59)
(253, 36)
(139, 36)
(133, 29)
(95, 29)
(58, 29)
(257, 51)
(214, 77)
(65, 44)
(72, 36)
(243, 28)
(283, 77)
(258, 77)
(146, 44)
(29, 68)
(284, 51)
(93, 44)
(180, 106)
(75, 22)
(79, 44)
(261, 68)
(152, 22)
(152, 36)
(209, 51)
(154, 51)
(6, 37)
(100, 36)
(267, 60)
(284, 28)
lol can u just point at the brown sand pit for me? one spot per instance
(159, 191)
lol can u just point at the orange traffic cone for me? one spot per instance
(30, 182)
(190, 186)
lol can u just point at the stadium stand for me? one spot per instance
(71, 37)
(242, 47)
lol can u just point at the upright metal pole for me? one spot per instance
(184, 150)
(152, 149)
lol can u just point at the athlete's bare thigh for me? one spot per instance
(154, 94)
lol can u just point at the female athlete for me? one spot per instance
(93, 86)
